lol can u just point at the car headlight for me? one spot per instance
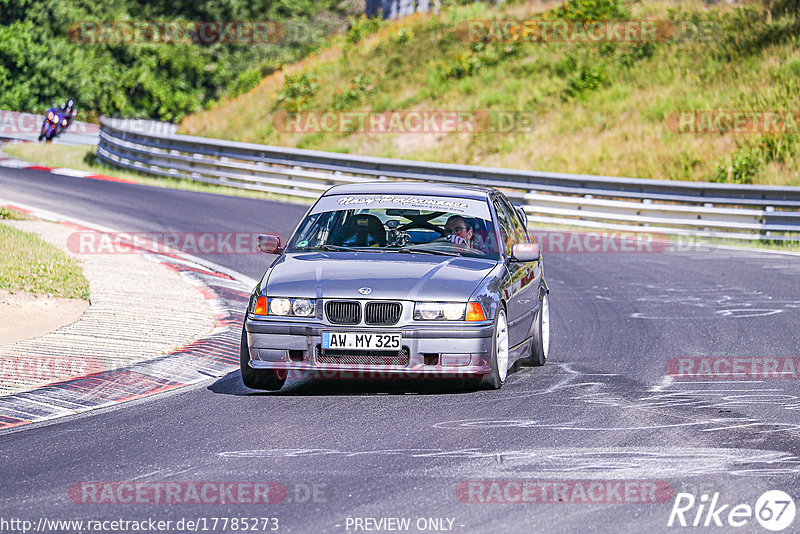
(280, 306)
(284, 307)
(302, 307)
(439, 311)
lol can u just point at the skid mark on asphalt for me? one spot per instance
(704, 425)
(588, 395)
(599, 462)
(706, 410)
(693, 303)
(644, 462)
(707, 303)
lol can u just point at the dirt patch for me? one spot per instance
(26, 315)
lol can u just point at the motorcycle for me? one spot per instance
(54, 123)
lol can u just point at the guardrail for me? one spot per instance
(670, 207)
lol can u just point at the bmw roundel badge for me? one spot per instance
(365, 290)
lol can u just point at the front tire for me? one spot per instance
(266, 379)
(541, 342)
(497, 377)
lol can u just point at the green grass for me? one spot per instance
(599, 109)
(10, 214)
(29, 264)
(82, 157)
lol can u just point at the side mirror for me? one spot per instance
(270, 244)
(525, 252)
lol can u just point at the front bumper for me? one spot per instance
(435, 350)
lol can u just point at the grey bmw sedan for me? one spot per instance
(400, 279)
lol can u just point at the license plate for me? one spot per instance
(361, 341)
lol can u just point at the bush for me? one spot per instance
(246, 80)
(583, 10)
(402, 36)
(583, 71)
(587, 78)
(480, 55)
(742, 167)
(361, 27)
(352, 95)
(296, 91)
(42, 57)
(637, 52)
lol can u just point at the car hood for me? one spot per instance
(389, 275)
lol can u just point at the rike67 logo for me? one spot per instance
(774, 510)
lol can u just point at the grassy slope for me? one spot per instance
(29, 264)
(615, 123)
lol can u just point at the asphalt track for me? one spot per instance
(602, 409)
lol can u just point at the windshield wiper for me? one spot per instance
(333, 247)
(420, 250)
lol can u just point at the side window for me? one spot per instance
(519, 228)
(506, 230)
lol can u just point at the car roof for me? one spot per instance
(385, 187)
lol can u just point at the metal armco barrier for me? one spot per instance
(701, 209)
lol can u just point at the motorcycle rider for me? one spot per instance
(66, 112)
(68, 109)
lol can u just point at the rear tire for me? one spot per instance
(266, 379)
(497, 377)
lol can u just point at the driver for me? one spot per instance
(459, 232)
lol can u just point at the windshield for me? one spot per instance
(456, 231)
